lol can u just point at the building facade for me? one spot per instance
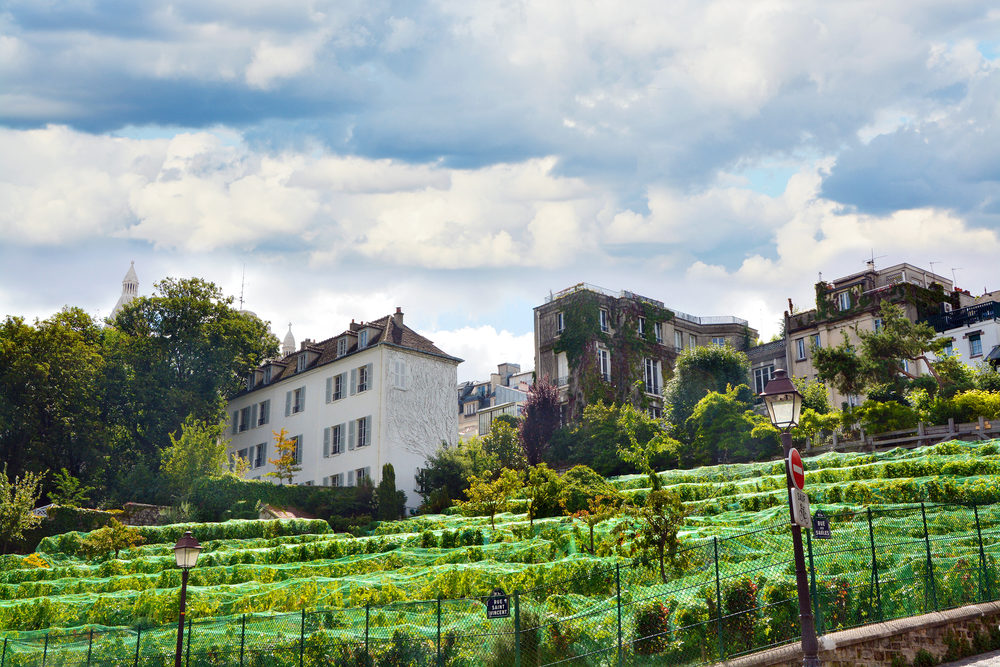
(595, 344)
(377, 393)
(479, 402)
(972, 333)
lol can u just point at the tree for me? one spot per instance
(389, 503)
(17, 500)
(489, 497)
(724, 428)
(543, 492)
(814, 395)
(599, 510)
(68, 491)
(698, 371)
(447, 472)
(541, 419)
(112, 538)
(502, 443)
(659, 521)
(642, 455)
(199, 452)
(287, 463)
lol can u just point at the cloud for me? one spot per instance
(483, 348)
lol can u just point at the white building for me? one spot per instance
(377, 393)
(972, 332)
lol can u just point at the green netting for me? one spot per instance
(374, 600)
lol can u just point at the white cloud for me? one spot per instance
(484, 347)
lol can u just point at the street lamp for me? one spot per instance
(784, 405)
(186, 554)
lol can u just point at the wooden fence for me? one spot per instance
(922, 434)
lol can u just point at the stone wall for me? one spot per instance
(139, 514)
(946, 635)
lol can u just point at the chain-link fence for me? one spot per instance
(713, 601)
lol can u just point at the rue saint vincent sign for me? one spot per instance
(498, 604)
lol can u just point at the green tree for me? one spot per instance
(446, 474)
(599, 510)
(725, 429)
(814, 395)
(17, 500)
(489, 497)
(389, 503)
(699, 370)
(630, 421)
(543, 492)
(68, 492)
(654, 533)
(541, 419)
(287, 463)
(200, 451)
(502, 443)
(112, 538)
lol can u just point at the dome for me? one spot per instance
(288, 344)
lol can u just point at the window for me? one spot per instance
(263, 412)
(655, 412)
(878, 324)
(334, 388)
(363, 338)
(295, 401)
(800, 348)
(243, 454)
(300, 363)
(652, 375)
(949, 348)
(267, 373)
(470, 408)
(642, 326)
(692, 341)
(364, 431)
(334, 480)
(658, 331)
(844, 300)
(906, 365)
(244, 419)
(361, 379)
(560, 323)
(604, 364)
(342, 346)
(250, 382)
(761, 376)
(605, 326)
(260, 455)
(975, 345)
(678, 340)
(297, 439)
(815, 341)
(399, 374)
(718, 340)
(333, 440)
(362, 474)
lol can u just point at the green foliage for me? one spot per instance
(723, 428)
(68, 492)
(542, 491)
(652, 629)
(17, 500)
(643, 455)
(389, 502)
(655, 536)
(446, 474)
(579, 485)
(199, 452)
(878, 417)
(488, 497)
(697, 372)
(814, 395)
(502, 443)
(112, 538)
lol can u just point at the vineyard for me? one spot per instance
(295, 593)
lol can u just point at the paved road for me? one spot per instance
(984, 660)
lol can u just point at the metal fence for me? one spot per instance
(722, 598)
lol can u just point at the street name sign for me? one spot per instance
(498, 604)
(821, 526)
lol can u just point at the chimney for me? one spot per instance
(398, 317)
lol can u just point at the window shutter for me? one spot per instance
(354, 381)
(329, 389)
(253, 416)
(288, 403)
(265, 412)
(298, 449)
(263, 453)
(368, 430)
(350, 478)
(352, 433)
(236, 421)
(343, 434)
(326, 481)
(369, 377)
(302, 399)
(326, 443)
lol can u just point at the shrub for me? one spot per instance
(580, 484)
(923, 658)
(652, 627)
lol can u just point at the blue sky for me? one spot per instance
(461, 159)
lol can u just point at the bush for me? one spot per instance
(652, 625)
(923, 658)
(581, 484)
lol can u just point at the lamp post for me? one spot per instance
(784, 405)
(186, 554)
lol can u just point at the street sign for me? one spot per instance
(800, 508)
(497, 604)
(821, 526)
(798, 473)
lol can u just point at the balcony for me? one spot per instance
(963, 317)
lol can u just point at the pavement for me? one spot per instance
(984, 660)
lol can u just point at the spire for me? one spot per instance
(288, 345)
(130, 289)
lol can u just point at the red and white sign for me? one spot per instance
(796, 470)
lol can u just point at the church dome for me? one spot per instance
(288, 345)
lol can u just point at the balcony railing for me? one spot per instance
(624, 294)
(963, 317)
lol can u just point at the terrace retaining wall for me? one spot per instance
(876, 645)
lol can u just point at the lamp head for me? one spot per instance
(186, 551)
(783, 401)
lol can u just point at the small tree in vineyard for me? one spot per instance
(541, 419)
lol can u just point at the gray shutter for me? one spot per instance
(343, 434)
(288, 403)
(368, 430)
(236, 421)
(253, 416)
(369, 377)
(302, 399)
(352, 433)
(298, 449)
(329, 389)
(263, 453)
(350, 478)
(326, 442)
(354, 381)
(265, 412)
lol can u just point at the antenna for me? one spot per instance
(932, 265)
(954, 280)
(243, 282)
(871, 262)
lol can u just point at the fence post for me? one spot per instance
(367, 618)
(517, 629)
(45, 649)
(618, 596)
(3, 656)
(302, 637)
(718, 601)
(138, 641)
(187, 659)
(90, 647)
(243, 636)
(875, 578)
(439, 632)
(812, 584)
(984, 579)
(930, 562)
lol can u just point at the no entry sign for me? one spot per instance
(795, 469)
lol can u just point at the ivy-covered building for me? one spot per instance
(850, 304)
(596, 344)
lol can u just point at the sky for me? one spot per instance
(330, 160)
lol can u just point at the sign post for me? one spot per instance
(498, 604)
